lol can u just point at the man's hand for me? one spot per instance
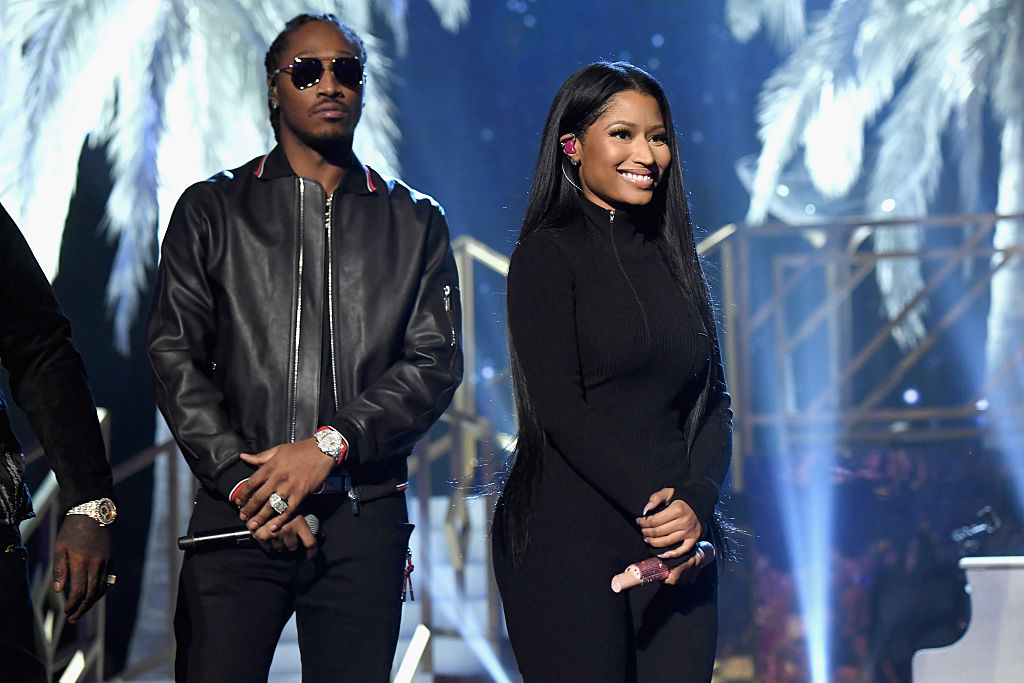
(81, 555)
(670, 526)
(292, 536)
(292, 471)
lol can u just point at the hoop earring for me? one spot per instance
(570, 179)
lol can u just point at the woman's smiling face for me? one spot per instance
(624, 155)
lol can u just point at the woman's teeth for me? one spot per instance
(636, 178)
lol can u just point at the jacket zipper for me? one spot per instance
(618, 261)
(448, 312)
(298, 314)
(330, 301)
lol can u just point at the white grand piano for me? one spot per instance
(991, 650)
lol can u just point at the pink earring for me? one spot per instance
(569, 146)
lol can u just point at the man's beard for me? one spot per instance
(326, 143)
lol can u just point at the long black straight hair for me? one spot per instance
(554, 202)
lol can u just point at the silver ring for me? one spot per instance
(111, 579)
(279, 504)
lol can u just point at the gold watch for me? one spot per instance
(102, 510)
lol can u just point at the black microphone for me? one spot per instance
(209, 540)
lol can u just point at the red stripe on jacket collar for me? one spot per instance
(279, 166)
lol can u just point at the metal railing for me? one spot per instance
(808, 367)
(475, 451)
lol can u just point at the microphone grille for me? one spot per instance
(313, 523)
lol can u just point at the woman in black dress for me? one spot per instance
(624, 424)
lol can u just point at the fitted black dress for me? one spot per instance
(615, 358)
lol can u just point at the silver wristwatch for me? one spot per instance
(102, 510)
(332, 443)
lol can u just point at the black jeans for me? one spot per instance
(233, 603)
(18, 662)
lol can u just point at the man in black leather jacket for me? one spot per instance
(48, 382)
(303, 336)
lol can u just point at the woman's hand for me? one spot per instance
(673, 524)
(687, 572)
(293, 535)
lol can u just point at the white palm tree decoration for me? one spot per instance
(933, 63)
(174, 88)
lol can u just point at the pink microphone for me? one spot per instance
(656, 569)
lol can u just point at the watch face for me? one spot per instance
(329, 442)
(107, 511)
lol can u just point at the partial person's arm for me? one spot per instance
(181, 338)
(711, 453)
(48, 382)
(690, 503)
(391, 414)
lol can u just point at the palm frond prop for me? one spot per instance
(174, 90)
(929, 66)
(783, 20)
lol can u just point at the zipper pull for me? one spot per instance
(407, 581)
(352, 495)
(448, 309)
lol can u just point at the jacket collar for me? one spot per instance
(358, 179)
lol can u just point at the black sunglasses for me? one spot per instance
(307, 71)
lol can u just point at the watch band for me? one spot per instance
(102, 510)
(332, 443)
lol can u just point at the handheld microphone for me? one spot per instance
(209, 540)
(657, 569)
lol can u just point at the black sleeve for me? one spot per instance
(48, 377)
(181, 336)
(542, 327)
(391, 414)
(711, 452)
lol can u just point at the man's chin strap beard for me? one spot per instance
(337, 149)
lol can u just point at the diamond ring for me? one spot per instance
(279, 504)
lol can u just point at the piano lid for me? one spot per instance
(992, 648)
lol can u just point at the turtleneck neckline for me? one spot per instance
(631, 241)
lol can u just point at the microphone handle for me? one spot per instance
(657, 569)
(241, 538)
(226, 538)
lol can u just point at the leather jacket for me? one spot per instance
(250, 259)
